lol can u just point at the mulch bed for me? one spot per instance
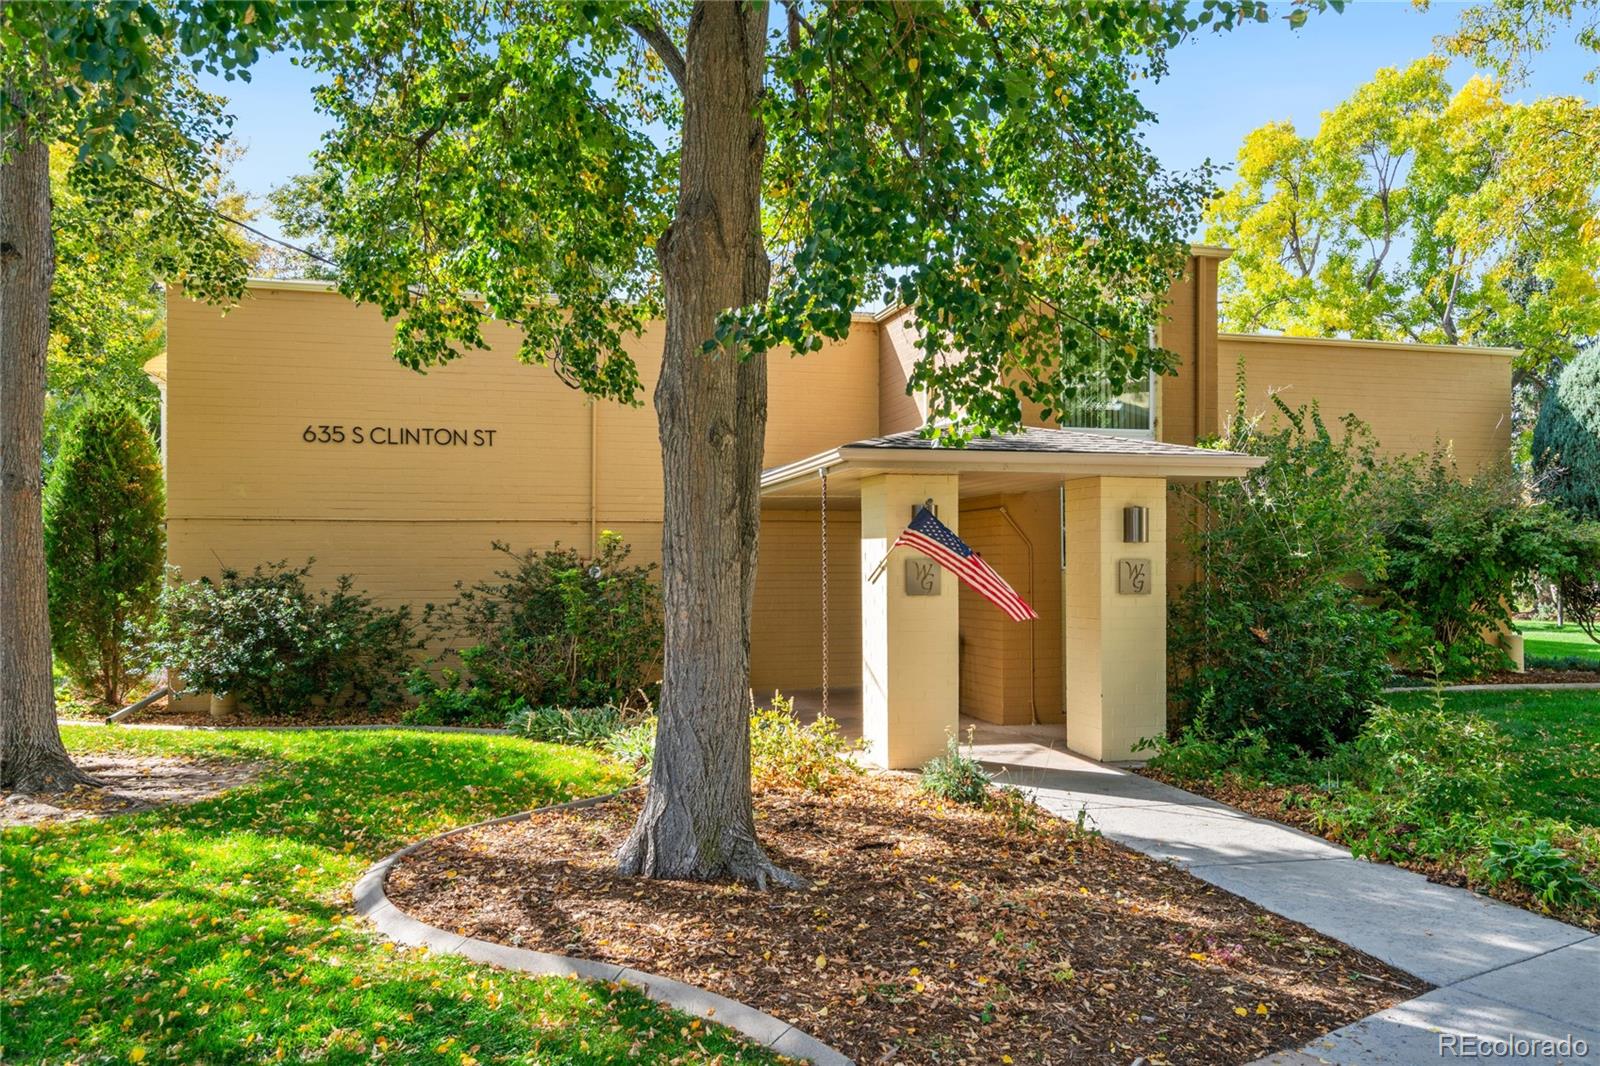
(930, 932)
(129, 784)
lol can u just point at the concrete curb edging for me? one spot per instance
(373, 903)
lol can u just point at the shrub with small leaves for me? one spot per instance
(1199, 754)
(956, 776)
(786, 753)
(449, 700)
(559, 628)
(268, 639)
(1272, 636)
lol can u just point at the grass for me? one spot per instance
(1557, 735)
(1546, 640)
(223, 931)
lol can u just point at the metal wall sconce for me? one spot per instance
(1135, 525)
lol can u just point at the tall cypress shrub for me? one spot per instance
(104, 545)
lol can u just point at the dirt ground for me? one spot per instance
(929, 933)
(132, 783)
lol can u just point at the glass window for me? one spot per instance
(1098, 407)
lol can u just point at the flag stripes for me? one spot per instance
(934, 539)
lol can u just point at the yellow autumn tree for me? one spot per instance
(1424, 213)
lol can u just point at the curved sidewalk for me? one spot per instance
(1499, 969)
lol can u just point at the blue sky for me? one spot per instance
(1220, 87)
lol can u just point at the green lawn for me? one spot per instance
(223, 931)
(1558, 736)
(1546, 640)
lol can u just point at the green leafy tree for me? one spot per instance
(107, 301)
(103, 512)
(1420, 213)
(1505, 35)
(1461, 550)
(1566, 439)
(755, 173)
(108, 79)
(1273, 637)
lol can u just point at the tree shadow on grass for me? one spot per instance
(223, 931)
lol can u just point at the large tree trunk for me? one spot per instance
(697, 821)
(32, 757)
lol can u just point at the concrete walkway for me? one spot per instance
(1499, 969)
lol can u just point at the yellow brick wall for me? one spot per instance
(786, 626)
(410, 520)
(996, 682)
(1411, 395)
(898, 410)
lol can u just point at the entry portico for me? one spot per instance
(1111, 538)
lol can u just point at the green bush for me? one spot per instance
(268, 640)
(558, 629)
(587, 727)
(956, 777)
(104, 546)
(1271, 636)
(1199, 754)
(1566, 438)
(448, 700)
(1433, 762)
(1460, 552)
(784, 753)
(633, 745)
(1432, 785)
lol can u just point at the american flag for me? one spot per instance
(933, 538)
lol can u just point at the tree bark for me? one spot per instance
(32, 757)
(711, 407)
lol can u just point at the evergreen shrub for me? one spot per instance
(104, 547)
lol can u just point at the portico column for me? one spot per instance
(1115, 623)
(910, 644)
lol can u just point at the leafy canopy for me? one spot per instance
(1505, 35)
(1420, 213)
(112, 82)
(984, 162)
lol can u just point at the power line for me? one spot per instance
(308, 253)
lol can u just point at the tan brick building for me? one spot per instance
(291, 432)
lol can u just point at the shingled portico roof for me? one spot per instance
(1028, 459)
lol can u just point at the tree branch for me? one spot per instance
(662, 45)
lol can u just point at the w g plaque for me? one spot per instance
(1133, 577)
(922, 577)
